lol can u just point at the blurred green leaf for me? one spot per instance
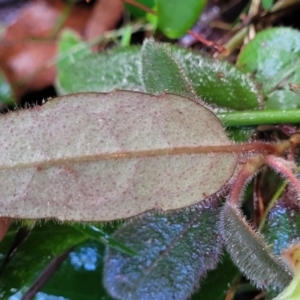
(175, 17)
(273, 56)
(267, 4)
(175, 251)
(137, 12)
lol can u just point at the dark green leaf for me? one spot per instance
(79, 277)
(175, 251)
(175, 17)
(249, 251)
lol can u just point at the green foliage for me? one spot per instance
(273, 56)
(267, 4)
(215, 82)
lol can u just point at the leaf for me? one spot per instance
(79, 276)
(267, 4)
(184, 15)
(102, 72)
(44, 243)
(184, 72)
(249, 252)
(163, 77)
(71, 49)
(214, 81)
(218, 82)
(100, 157)
(283, 224)
(274, 57)
(175, 251)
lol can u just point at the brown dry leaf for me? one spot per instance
(100, 157)
(27, 44)
(105, 16)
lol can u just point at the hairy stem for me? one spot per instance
(244, 176)
(284, 167)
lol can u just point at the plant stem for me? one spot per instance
(260, 117)
(272, 204)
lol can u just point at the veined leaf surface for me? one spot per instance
(100, 157)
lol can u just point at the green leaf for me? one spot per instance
(71, 49)
(175, 17)
(118, 69)
(218, 82)
(44, 243)
(267, 4)
(175, 251)
(215, 82)
(274, 57)
(79, 276)
(161, 73)
(249, 251)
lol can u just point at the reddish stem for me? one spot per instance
(243, 177)
(208, 43)
(284, 167)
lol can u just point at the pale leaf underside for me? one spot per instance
(100, 157)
